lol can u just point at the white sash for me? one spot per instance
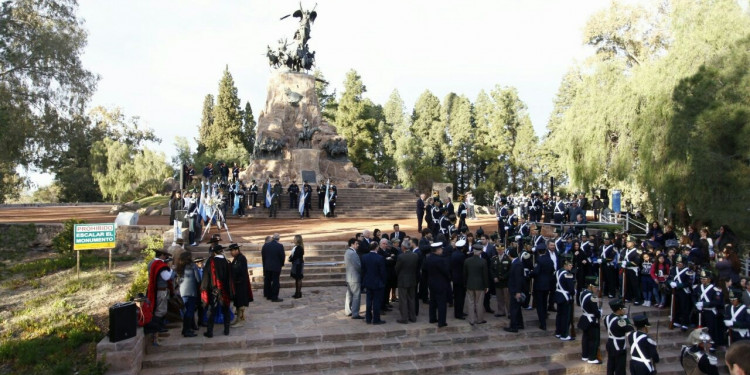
(635, 348)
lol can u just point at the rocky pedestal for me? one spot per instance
(292, 136)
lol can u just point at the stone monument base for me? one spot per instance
(291, 167)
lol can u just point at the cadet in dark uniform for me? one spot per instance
(438, 274)
(293, 191)
(518, 290)
(643, 353)
(589, 321)
(695, 358)
(559, 210)
(253, 194)
(618, 327)
(564, 294)
(321, 189)
(502, 220)
(609, 256)
(679, 281)
(307, 193)
(535, 207)
(500, 269)
(276, 192)
(457, 275)
(631, 260)
(708, 300)
(736, 317)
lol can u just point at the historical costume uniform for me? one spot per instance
(736, 317)
(217, 289)
(535, 208)
(502, 220)
(643, 353)
(243, 292)
(293, 191)
(618, 327)
(680, 282)
(693, 357)
(518, 291)
(610, 260)
(708, 300)
(564, 294)
(631, 261)
(589, 321)
(253, 194)
(559, 211)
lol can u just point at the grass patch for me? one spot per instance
(154, 200)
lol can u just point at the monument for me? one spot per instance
(293, 140)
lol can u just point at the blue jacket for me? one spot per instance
(373, 271)
(544, 273)
(516, 278)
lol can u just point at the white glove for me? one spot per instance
(625, 316)
(728, 323)
(507, 227)
(673, 284)
(624, 264)
(601, 312)
(699, 306)
(599, 261)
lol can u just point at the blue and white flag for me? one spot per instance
(268, 195)
(236, 206)
(302, 204)
(201, 207)
(327, 205)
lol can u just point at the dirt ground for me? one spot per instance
(242, 230)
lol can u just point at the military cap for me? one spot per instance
(735, 293)
(679, 259)
(631, 238)
(436, 244)
(584, 233)
(477, 247)
(591, 280)
(698, 336)
(706, 274)
(616, 304)
(641, 321)
(216, 238)
(607, 236)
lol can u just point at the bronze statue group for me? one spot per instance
(696, 276)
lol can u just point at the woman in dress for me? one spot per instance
(297, 261)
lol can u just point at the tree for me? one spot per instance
(227, 119)
(247, 135)
(458, 117)
(207, 122)
(182, 155)
(354, 124)
(326, 100)
(43, 84)
(395, 125)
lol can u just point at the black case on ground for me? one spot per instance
(122, 321)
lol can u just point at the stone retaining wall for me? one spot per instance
(23, 236)
(122, 357)
(129, 237)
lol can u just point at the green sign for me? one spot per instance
(93, 236)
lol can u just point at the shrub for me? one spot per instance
(140, 283)
(63, 242)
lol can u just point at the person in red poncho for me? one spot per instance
(217, 289)
(159, 286)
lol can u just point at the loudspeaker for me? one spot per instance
(122, 321)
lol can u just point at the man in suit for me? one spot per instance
(543, 274)
(373, 279)
(364, 244)
(517, 289)
(457, 275)
(353, 279)
(449, 209)
(420, 212)
(406, 270)
(397, 234)
(273, 257)
(489, 251)
(438, 274)
(476, 280)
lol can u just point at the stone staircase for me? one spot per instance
(338, 345)
(352, 203)
(324, 263)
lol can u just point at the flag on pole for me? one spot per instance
(327, 205)
(268, 195)
(302, 204)
(236, 205)
(201, 207)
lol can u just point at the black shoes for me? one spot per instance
(277, 300)
(508, 329)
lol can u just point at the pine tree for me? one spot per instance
(354, 124)
(227, 116)
(397, 128)
(326, 100)
(207, 122)
(459, 122)
(247, 134)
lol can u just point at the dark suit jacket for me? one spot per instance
(272, 254)
(406, 268)
(475, 274)
(373, 271)
(544, 273)
(438, 272)
(516, 279)
(420, 206)
(400, 237)
(457, 268)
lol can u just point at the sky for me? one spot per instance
(158, 59)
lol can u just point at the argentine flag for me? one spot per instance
(201, 207)
(302, 204)
(268, 195)
(327, 205)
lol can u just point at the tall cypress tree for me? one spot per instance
(248, 128)
(227, 125)
(353, 122)
(207, 121)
